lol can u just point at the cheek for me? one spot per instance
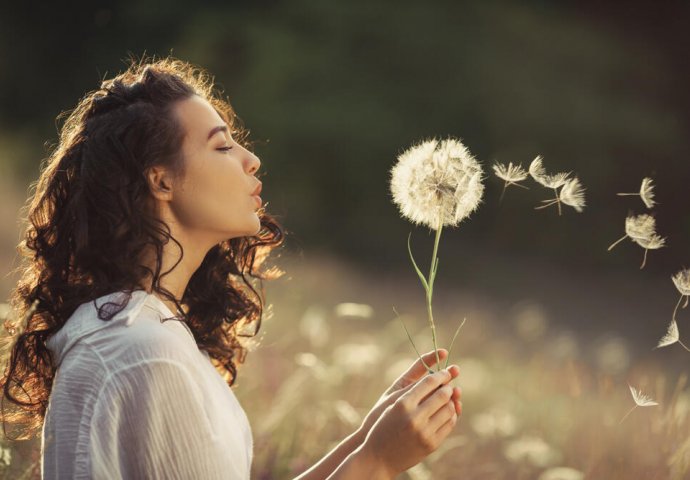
(209, 198)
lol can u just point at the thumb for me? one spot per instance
(418, 370)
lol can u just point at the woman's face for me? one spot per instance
(214, 198)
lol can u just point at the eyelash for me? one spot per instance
(225, 149)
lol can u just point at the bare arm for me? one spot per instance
(350, 460)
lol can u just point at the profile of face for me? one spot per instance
(213, 200)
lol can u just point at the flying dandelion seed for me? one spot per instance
(682, 282)
(641, 226)
(436, 183)
(555, 181)
(646, 192)
(641, 400)
(652, 243)
(512, 174)
(672, 336)
(573, 194)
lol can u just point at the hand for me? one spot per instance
(404, 382)
(413, 426)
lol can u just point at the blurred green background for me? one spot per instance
(333, 91)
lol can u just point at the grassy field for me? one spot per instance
(540, 401)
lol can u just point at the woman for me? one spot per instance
(148, 211)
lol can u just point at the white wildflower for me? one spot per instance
(641, 400)
(646, 192)
(437, 183)
(512, 174)
(682, 282)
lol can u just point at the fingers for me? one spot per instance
(456, 397)
(441, 416)
(417, 370)
(437, 400)
(446, 428)
(426, 386)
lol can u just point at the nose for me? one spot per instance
(254, 163)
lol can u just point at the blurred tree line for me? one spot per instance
(333, 91)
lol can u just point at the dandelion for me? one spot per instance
(646, 192)
(652, 243)
(641, 400)
(682, 282)
(555, 181)
(640, 227)
(672, 336)
(512, 174)
(572, 194)
(436, 183)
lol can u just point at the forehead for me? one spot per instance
(197, 116)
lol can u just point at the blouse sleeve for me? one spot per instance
(149, 421)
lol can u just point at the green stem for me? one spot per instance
(430, 291)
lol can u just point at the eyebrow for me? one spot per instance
(214, 130)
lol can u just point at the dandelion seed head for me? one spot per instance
(640, 226)
(538, 172)
(510, 173)
(647, 192)
(641, 399)
(671, 337)
(682, 281)
(652, 243)
(573, 194)
(437, 178)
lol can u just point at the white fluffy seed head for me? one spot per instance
(573, 194)
(641, 399)
(652, 243)
(647, 192)
(536, 169)
(435, 180)
(671, 337)
(682, 281)
(640, 226)
(510, 173)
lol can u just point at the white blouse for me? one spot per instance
(135, 398)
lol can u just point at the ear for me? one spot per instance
(160, 182)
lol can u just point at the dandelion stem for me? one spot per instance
(430, 291)
(558, 201)
(675, 310)
(519, 185)
(644, 259)
(505, 185)
(686, 302)
(617, 242)
(626, 194)
(551, 202)
(626, 415)
(683, 345)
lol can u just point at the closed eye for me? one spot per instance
(225, 149)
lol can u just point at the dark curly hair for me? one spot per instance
(86, 225)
